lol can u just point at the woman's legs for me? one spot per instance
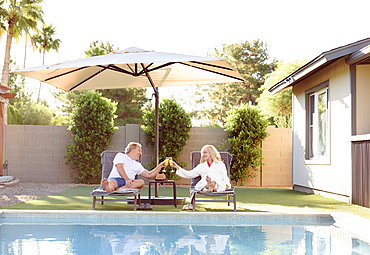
(211, 185)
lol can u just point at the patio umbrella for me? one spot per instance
(134, 68)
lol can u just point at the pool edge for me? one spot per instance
(353, 224)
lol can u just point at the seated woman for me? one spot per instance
(211, 170)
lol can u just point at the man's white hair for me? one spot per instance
(131, 145)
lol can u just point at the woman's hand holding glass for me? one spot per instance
(169, 162)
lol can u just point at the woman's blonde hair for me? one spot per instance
(131, 145)
(215, 155)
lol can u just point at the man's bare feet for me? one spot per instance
(105, 184)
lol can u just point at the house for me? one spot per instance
(331, 123)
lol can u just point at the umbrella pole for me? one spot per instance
(156, 128)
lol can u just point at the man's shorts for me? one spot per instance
(120, 181)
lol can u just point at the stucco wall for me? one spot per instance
(277, 154)
(362, 99)
(36, 153)
(335, 176)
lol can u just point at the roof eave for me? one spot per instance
(358, 56)
(319, 62)
(297, 75)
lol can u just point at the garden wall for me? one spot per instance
(36, 153)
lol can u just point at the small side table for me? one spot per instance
(155, 182)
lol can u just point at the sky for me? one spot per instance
(291, 29)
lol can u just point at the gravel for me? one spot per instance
(28, 191)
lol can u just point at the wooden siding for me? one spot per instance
(334, 176)
(361, 173)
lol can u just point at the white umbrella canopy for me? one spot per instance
(129, 68)
(135, 68)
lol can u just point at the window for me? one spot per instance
(317, 128)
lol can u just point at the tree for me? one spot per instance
(14, 117)
(129, 104)
(68, 102)
(175, 125)
(35, 114)
(278, 106)
(252, 62)
(98, 48)
(19, 16)
(44, 42)
(129, 101)
(67, 99)
(246, 128)
(3, 13)
(92, 129)
(17, 84)
(28, 36)
(60, 120)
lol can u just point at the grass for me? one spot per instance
(248, 200)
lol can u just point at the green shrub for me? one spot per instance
(174, 126)
(14, 117)
(247, 129)
(92, 126)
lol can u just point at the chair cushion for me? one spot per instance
(120, 192)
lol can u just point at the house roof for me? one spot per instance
(356, 52)
(359, 57)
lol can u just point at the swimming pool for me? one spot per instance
(85, 232)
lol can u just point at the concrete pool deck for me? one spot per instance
(347, 222)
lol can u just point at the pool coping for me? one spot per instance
(353, 224)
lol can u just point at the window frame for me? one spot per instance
(311, 146)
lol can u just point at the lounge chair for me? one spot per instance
(107, 165)
(195, 159)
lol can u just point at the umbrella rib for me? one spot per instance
(148, 76)
(59, 75)
(204, 69)
(118, 69)
(206, 64)
(146, 70)
(130, 68)
(92, 76)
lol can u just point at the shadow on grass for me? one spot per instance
(248, 200)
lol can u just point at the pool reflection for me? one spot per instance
(176, 239)
(165, 239)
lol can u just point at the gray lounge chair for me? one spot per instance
(195, 159)
(107, 165)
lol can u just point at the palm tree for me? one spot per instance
(19, 16)
(44, 42)
(27, 36)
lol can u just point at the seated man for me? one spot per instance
(126, 167)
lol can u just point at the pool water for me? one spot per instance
(38, 238)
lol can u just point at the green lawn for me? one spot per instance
(248, 200)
